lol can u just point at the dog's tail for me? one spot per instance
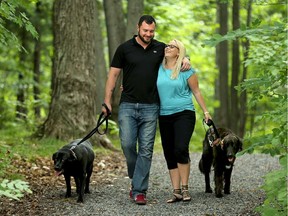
(205, 164)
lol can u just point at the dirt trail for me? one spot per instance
(109, 187)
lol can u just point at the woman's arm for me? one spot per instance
(194, 86)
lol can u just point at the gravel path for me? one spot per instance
(113, 199)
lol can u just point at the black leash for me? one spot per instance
(99, 122)
(212, 131)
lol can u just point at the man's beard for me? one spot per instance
(143, 40)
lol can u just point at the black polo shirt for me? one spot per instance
(140, 70)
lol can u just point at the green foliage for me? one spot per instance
(14, 189)
(268, 59)
(11, 146)
(14, 63)
(113, 127)
(190, 21)
(276, 190)
(5, 159)
(11, 11)
(268, 62)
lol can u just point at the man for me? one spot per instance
(139, 58)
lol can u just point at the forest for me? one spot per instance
(55, 56)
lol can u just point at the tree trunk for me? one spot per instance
(221, 113)
(243, 96)
(115, 24)
(36, 70)
(73, 104)
(116, 35)
(135, 10)
(234, 117)
(118, 32)
(100, 61)
(21, 109)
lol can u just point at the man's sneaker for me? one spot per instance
(140, 199)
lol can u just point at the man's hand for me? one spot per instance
(106, 109)
(185, 64)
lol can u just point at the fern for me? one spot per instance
(14, 189)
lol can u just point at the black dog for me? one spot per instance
(77, 161)
(222, 154)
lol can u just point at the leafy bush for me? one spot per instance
(14, 189)
(9, 11)
(275, 188)
(4, 161)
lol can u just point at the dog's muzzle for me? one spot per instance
(231, 159)
(230, 162)
(58, 171)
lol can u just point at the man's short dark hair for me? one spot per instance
(147, 18)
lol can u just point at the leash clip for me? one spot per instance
(73, 153)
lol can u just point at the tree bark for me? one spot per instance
(135, 10)
(100, 61)
(235, 111)
(36, 63)
(21, 109)
(73, 104)
(243, 96)
(116, 29)
(221, 93)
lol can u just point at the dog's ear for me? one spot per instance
(240, 144)
(54, 156)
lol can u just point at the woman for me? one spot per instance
(177, 116)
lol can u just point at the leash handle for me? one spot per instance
(211, 123)
(107, 109)
(99, 122)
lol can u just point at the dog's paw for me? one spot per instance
(87, 192)
(226, 192)
(219, 195)
(67, 195)
(80, 200)
(208, 190)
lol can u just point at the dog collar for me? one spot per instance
(218, 142)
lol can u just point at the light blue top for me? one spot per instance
(175, 94)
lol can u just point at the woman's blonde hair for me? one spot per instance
(182, 53)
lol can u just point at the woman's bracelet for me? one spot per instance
(206, 113)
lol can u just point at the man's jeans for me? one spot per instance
(137, 123)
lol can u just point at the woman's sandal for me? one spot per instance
(185, 193)
(177, 196)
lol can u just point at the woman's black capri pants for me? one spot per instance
(176, 131)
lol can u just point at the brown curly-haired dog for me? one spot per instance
(222, 154)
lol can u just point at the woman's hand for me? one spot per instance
(207, 116)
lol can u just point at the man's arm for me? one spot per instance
(186, 64)
(110, 87)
